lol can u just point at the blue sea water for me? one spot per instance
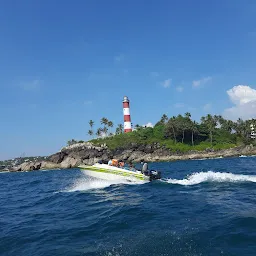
(203, 207)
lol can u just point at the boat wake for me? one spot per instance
(201, 177)
(89, 183)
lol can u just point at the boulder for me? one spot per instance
(70, 162)
(46, 165)
(57, 158)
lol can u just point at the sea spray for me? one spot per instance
(89, 183)
(210, 176)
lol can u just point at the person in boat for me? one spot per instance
(113, 162)
(144, 168)
(131, 166)
(120, 164)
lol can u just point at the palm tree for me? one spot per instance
(240, 127)
(91, 123)
(117, 131)
(164, 118)
(193, 127)
(188, 115)
(105, 131)
(99, 131)
(181, 126)
(210, 122)
(104, 121)
(172, 124)
(121, 127)
(90, 132)
(110, 124)
(71, 142)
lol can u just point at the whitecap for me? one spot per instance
(210, 176)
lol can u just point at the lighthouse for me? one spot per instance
(127, 116)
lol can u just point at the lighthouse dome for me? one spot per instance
(126, 98)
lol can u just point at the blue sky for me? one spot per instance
(63, 63)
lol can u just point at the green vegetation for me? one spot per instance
(179, 133)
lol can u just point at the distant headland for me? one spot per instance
(171, 138)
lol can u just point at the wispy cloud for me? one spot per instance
(166, 83)
(154, 74)
(202, 81)
(119, 57)
(87, 102)
(33, 85)
(179, 105)
(179, 89)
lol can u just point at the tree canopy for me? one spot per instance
(181, 133)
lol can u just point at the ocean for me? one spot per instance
(200, 207)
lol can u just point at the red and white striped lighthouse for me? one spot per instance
(127, 116)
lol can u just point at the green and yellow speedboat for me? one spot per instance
(104, 171)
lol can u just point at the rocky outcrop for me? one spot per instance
(87, 153)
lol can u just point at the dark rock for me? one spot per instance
(57, 158)
(148, 149)
(141, 147)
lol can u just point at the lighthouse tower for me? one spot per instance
(127, 116)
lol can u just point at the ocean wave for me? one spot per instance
(210, 176)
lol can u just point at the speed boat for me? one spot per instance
(104, 171)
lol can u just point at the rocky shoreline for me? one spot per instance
(87, 153)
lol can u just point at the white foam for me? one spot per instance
(202, 159)
(88, 183)
(200, 177)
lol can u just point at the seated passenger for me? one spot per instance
(131, 167)
(114, 162)
(120, 164)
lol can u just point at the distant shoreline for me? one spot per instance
(87, 153)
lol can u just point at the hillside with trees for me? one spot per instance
(178, 133)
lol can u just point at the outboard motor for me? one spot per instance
(153, 175)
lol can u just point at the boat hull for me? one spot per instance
(112, 173)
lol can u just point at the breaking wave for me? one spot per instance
(200, 177)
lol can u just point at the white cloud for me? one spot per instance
(32, 85)
(244, 99)
(154, 74)
(179, 89)
(207, 107)
(201, 82)
(148, 125)
(166, 83)
(179, 105)
(242, 94)
(119, 57)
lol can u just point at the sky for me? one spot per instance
(63, 63)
